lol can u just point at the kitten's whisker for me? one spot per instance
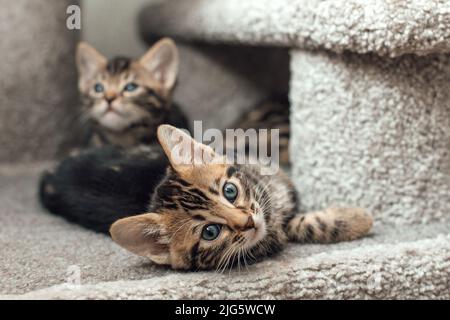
(222, 260)
(234, 257)
(226, 257)
(239, 260)
(244, 255)
(184, 222)
(230, 254)
(263, 187)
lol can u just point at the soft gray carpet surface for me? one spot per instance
(384, 27)
(42, 256)
(372, 132)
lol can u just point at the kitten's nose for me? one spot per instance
(110, 99)
(240, 221)
(249, 225)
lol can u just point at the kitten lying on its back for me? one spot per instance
(124, 100)
(201, 215)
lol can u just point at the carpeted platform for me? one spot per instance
(41, 254)
(389, 152)
(384, 27)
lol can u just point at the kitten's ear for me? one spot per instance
(162, 62)
(183, 151)
(144, 235)
(89, 61)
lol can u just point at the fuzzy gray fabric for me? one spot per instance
(367, 131)
(41, 256)
(381, 26)
(372, 132)
(38, 88)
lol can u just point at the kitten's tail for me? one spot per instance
(330, 225)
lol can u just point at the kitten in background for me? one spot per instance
(125, 100)
(271, 114)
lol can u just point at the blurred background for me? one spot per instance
(112, 27)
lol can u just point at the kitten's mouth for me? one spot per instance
(111, 110)
(113, 119)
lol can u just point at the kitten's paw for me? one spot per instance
(352, 223)
(330, 225)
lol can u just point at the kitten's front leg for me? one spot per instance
(330, 225)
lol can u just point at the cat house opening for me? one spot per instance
(228, 87)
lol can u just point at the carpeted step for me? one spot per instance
(383, 27)
(43, 257)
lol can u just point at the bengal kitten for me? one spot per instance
(125, 100)
(208, 215)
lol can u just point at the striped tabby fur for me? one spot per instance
(272, 113)
(125, 100)
(256, 224)
(164, 215)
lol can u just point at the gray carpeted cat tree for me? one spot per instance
(370, 116)
(38, 80)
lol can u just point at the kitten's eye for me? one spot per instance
(211, 232)
(230, 191)
(130, 87)
(99, 88)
